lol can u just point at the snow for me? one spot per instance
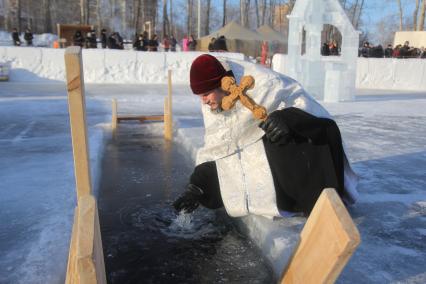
(384, 133)
(32, 64)
(378, 73)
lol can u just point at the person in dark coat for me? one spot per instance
(78, 39)
(15, 38)
(153, 43)
(28, 36)
(192, 43)
(388, 51)
(139, 43)
(220, 44)
(104, 38)
(119, 41)
(365, 50)
(211, 44)
(304, 153)
(173, 43)
(325, 50)
(93, 42)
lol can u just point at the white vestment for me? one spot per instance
(233, 140)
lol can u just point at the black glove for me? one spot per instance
(189, 200)
(276, 130)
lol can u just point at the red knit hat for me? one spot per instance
(206, 73)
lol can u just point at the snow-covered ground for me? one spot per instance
(385, 135)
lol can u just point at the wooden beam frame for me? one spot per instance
(168, 113)
(77, 111)
(85, 260)
(327, 241)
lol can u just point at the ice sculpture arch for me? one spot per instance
(326, 78)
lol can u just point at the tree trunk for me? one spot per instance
(224, 13)
(242, 14)
(415, 13)
(207, 22)
(165, 19)
(272, 13)
(123, 17)
(359, 14)
(137, 11)
(99, 15)
(246, 12)
(47, 18)
(256, 7)
(422, 17)
(82, 6)
(112, 6)
(400, 14)
(263, 12)
(171, 18)
(189, 19)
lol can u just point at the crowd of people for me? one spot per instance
(399, 51)
(28, 37)
(217, 44)
(330, 49)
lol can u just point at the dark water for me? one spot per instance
(145, 241)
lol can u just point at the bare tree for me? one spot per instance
(189, 19)
(359, 14)
(224, 13)
(415, 13)
(171, 17)
(207, 22)
(242, 14)
(256, 7)
(263, 7)
(165, 19)
(401, 15)
(47, 17)
(422, 17)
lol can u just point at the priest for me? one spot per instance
(272, 168)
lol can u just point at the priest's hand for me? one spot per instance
(189, 200)
(276, 130)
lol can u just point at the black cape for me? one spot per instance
(311, 161)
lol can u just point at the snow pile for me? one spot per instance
(41, 40)
(101, 65)
(379, 73)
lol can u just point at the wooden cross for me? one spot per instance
(239, 93)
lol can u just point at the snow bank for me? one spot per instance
(379, 73)
(101, 65)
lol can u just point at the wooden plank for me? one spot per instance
(90, 267)
(168, 117)
(141, 118)
(327, 241)
(77, 111)
(72, 275)
(114, 118)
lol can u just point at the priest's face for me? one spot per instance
(213, 98)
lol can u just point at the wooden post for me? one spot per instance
(77, 110)
(86, 259)
(114, 116)
(327, 241)
(168, 113)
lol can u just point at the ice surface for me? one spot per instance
(326, 79)
(384, 133)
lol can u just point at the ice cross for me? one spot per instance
(239, 93)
